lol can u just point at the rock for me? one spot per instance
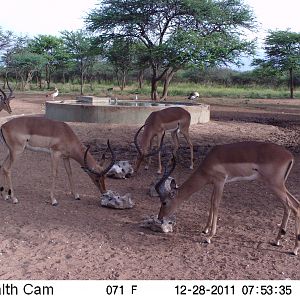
(155, 225)
(114, 200)
(121, 169)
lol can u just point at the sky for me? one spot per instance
(33, 17)
(276, 15)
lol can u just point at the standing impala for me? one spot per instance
(174, 119)
(267, 162)
(56, 138)
(5, 100)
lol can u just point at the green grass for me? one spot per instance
(179, 90)
(214, 91)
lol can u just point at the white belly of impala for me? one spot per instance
(239, 178)
(37, 149)
(40, 143)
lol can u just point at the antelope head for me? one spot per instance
(143, 150)
(97, 173)
(167, 198)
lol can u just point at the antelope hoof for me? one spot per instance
(159, 172)
(207, 240)
(276, 243)
(77, 197)
(191, 167)
(15, 200)
(54, 202)
(146, 167)
(295, 252)
(205, 231)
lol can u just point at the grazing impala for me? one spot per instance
(266, 162)
(174, 119)
(5, 100)
(56, 138)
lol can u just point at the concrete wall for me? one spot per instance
(113, 114)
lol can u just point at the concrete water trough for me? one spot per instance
(106, 111)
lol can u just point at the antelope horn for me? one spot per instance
(5, 97)
(2, 98)
(135, 140)
(167, 173)
(10, 96)
(113, 160)
(87, 169)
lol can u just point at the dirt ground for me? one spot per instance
(82, 240)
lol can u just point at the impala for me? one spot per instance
(5, 100)
(174, 119)
(266, 162)
(56, 138)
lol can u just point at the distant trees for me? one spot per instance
(25, 64)
(51, 49)
(6, 38)
(157, 41)
(175, 33)
(79, 45)
(121, 54)
(6, 41)
(282, 51)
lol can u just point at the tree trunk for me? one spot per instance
(154, 83)
(167, 81)
(64, 77)
(291, 83)
(117, 75)
(123, 84)
(81, 77)
(154, 92)
(48, 76)
(28, 80)
(140, 78)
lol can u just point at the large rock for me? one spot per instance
(114, 200)
(121, 170)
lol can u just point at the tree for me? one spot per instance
(175, 33)
(51, 48)
(121, 55)
(25, 64)
(16, 50)
(282, 49)
(81, 48)
(6, 39)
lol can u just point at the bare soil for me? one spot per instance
(82, 240)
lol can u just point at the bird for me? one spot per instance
(193, 95)
(53, 94)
